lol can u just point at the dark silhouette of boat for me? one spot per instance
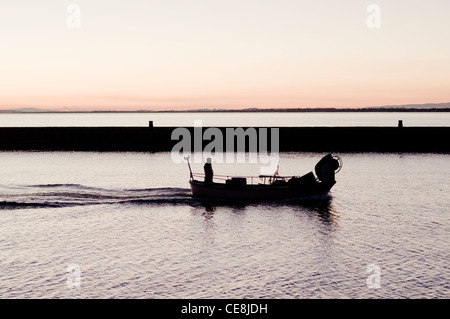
(268, 188)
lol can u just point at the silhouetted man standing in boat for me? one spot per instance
(209, 173)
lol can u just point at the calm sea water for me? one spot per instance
(125, 225)
(230, 119)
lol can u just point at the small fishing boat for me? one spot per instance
(268, 187)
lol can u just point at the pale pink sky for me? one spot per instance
(223, 54)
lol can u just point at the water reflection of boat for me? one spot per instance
(268, 188)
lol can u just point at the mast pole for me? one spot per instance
(189, 165)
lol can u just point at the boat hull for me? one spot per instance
(255, 192)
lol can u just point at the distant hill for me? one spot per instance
(25, 110)
(420, 106)
(429, 107)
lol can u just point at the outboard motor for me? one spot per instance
(326, 169)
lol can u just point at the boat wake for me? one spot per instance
(68, 195)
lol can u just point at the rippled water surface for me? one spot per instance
(128, 223)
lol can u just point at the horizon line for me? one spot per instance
(444, 107)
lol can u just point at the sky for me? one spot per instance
(191, 54)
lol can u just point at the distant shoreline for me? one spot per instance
(250, 110)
